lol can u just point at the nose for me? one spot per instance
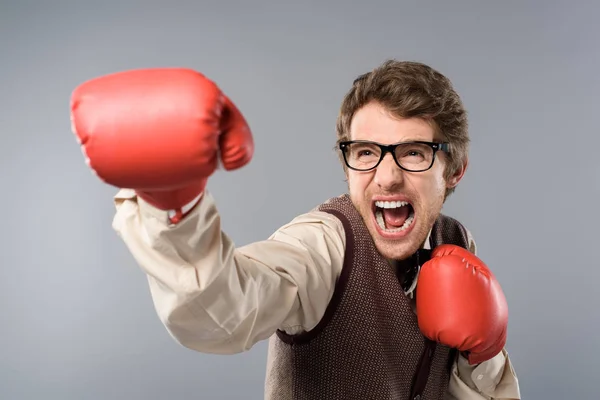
(388, 176)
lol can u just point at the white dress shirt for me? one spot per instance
(214, 297)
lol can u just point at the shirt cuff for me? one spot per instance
(148, 209)
(494, 378)
(484, 376)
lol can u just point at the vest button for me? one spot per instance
(417, 397)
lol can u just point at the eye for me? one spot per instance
(415, 153)
(364, 151)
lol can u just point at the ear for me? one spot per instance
(455, 178)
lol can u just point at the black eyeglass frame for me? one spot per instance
(391, 148)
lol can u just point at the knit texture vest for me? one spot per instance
(368, 344)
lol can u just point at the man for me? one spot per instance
(372, 295)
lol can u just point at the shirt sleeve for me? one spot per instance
(494, 379)
(217, 298)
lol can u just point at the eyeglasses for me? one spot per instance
(416, 156)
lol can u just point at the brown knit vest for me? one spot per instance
(368, 344)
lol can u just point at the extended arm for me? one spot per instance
(215, 298)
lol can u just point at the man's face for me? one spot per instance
(405, 228)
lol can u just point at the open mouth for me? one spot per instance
(394, 216)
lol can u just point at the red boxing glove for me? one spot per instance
(461, 305)
(159, 131)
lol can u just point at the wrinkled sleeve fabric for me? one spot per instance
(217, 298)
(494, 379)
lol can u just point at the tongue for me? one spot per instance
(395, 217)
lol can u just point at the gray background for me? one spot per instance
(76, 318)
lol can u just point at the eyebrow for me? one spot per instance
(405, 140)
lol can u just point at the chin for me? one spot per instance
(398, 249)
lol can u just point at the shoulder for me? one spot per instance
(320, 230)
(471, 241)
(314, 221)
(448, 229)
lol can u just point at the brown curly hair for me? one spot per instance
(411, 89)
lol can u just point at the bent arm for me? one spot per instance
(216, 298)
(494, 379)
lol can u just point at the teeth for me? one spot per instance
(390, 204)
(381, 222)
